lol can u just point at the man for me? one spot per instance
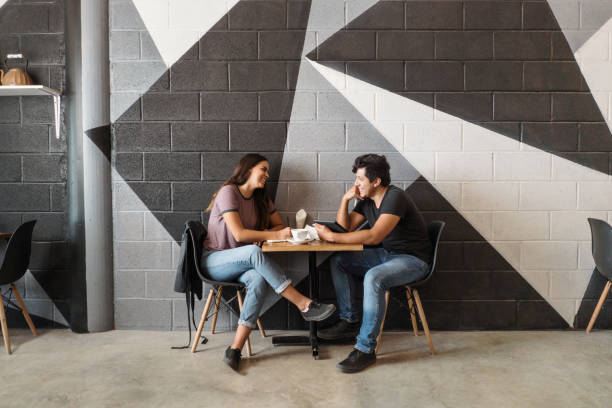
(398, 252)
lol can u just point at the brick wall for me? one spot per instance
(480, 106)
(33, 161)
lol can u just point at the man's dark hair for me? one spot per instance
(375, 166)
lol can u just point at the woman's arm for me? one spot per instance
(276, 222)
(241, 234)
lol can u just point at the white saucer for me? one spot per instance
(299, 241)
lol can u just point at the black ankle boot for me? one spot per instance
(356, 361)
(232, 358)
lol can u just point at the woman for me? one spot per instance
(242, 214)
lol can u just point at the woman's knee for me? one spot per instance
(255, 254)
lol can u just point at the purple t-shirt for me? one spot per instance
(230, 199)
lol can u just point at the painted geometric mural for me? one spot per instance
(494, 116)
(484, 109)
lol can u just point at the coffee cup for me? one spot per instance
(299, 234)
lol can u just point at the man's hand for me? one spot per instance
(325, 234)
(352, 193)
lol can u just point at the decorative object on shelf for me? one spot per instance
(15, 76)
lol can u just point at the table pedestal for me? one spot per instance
(311, 339)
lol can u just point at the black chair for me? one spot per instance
(434, 230)
(217, 288)
(14, 265)
(601, 237)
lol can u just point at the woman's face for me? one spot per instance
(259, 174)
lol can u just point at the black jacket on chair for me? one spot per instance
(186, 272)
(187, 280)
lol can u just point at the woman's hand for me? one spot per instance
(283, 233)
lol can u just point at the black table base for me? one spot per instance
(311, 339)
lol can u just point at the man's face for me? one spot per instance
(365, 188)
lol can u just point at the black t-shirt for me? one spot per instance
(410, 234)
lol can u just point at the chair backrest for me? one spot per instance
(434, 230)
(601, 235)
(17, 256)
(202, 274)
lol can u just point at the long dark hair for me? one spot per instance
(260, 195)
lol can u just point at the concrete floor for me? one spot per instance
(472, 369)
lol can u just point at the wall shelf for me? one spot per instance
(36, 90)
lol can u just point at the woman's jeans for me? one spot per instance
(380, 270)
(246, 264)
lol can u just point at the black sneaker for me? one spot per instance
(356, 361)
(341, 330)
(318, 311)
(232, 358)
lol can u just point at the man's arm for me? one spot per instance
(346, 221)
(372, 236)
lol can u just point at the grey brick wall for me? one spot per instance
(496, 67)
(33, 162)
(179, 134)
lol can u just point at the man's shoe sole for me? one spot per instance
(350, 370)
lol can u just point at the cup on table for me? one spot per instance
(299, 234)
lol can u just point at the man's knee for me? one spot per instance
(374, 281)
(337, 261)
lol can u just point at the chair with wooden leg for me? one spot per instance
(601, 237)
(216, 292)
(14, 265)
(414, 300)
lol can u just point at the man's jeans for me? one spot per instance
(248, 265)
(380, 270)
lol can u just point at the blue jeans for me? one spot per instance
(246, 264)
(380, 270)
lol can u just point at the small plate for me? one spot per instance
(299, 241)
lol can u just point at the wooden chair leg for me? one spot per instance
(248, 341)
(417, 299)
(23, 309)
(261, 329)
(202, 321)
(216, 313)
(7, 341)
(382, 324)
(602, 299)
(415, 327)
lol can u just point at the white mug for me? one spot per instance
(299, 234)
